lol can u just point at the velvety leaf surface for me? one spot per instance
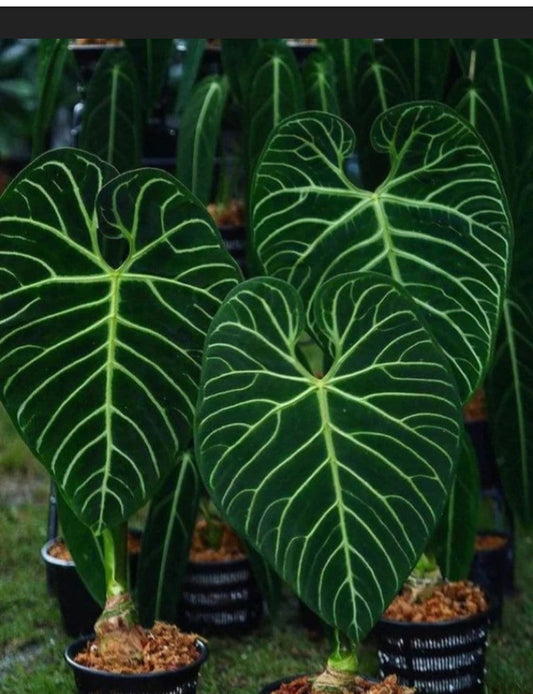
(166, 542)
(275, 90)
(346, 54)
(455, 537)
(510, 399)
(199, 135)
(111, 124)
(500, 72)
(320, 83)
(151, 58)
(52, 56)
(99, 364)
(438, 224)
(338, 481)
(190, 68)
(86, 550)
(425, 63)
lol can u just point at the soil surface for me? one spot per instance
(476, 409)
(163, 647)
(59, 550)
(231, 214)
(452, 600)
(485, 543)
(230, 546)
(390, 685)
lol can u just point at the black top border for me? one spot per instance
(266, 22)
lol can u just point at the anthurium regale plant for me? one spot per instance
(108, 286)
(340, 478)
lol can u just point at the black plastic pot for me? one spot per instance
(220, 597)
(436, 658)
(79, 610)
(488, 571)
(89, 681)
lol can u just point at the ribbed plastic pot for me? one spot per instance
(79, 610)
(436, 658)
(90, 681)
(220, 597)
(488, 571)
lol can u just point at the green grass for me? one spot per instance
(32, 640)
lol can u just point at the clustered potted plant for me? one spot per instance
(324, 395)
(106, 303)
(365, 454)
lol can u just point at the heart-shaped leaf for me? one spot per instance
(112, 116)
(99, 363)
(338, 481)
(438, 224)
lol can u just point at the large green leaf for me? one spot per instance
(52, 56)
(112, 118)
(166, 543)
(199, 135)
(510, 399)
(99, 362)
(338, 481)
(275, 90)
(455, 538)
(438, 224)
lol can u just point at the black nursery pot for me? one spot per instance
(488, 571)
(90, 681)
(79, 610)
(445, 657)
(220, 597)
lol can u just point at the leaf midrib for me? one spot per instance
(321, 393)
(111, 349)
